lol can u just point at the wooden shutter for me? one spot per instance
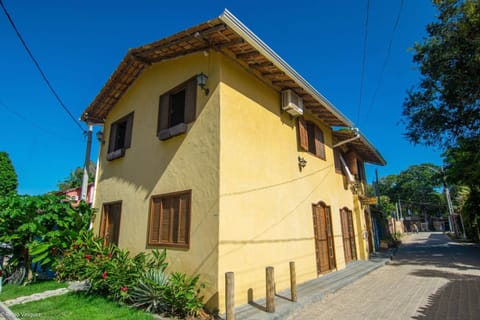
(155, 214)
(190, 100)
(163, 112)
(319, 143)
(302, 133)
(128, 131)
(351, 160)
(111, 140)
(336, 159)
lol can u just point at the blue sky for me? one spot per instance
(80, 43)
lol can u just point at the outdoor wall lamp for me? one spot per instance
(202, 81)
(301, 162)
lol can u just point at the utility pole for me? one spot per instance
(84, 192)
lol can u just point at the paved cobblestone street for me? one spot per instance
(429, 278)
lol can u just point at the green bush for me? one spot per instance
(139, 280)
(110, 271)
(182, 295)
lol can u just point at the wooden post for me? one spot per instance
(293, 282)
(229, 296)
(270, 290)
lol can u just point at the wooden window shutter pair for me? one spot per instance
(169, 223)
(120, 137)
(318, 137)
(165, 129)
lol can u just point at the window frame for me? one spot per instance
(114, 151)
(166, 130)
(311, 138)
(158, 200)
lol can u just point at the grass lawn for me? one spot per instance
(11, 291)
(77, 306)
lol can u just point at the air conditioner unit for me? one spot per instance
(292, 103)
(73, 198)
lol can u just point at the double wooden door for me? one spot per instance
(324, 246)
(348, 235)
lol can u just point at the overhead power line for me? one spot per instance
(31, 122)
(387, 58)
(37, 65)
(364, 59)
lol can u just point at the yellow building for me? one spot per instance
(215, 148)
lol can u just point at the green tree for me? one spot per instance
(43, 226)
(8, 176)
(75, 178)
(445, 106)
(463, 168)
(417, 188)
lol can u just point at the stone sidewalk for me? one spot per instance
(430, 277)
(312, 291)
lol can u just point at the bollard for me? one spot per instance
(229, 296)
(293, 282)
(270, 290)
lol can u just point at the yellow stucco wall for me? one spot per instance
(153, 167)
(251, 205)
(265, 200)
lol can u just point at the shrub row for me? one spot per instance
(138, 280)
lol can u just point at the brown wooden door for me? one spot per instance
(348, 235)
(110, 224)
(324, 247)
(368, 224)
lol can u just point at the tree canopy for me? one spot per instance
(416, 188)
(445, 105)
(74, 180)
(8, 176)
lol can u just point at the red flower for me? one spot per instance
(87, 256)
(124, 289)
(104, 275)
(109, 256)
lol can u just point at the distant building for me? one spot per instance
(75, 194)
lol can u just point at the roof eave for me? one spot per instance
(241, 29)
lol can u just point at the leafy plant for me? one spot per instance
(149, 293)
(182, 295)
(110, 271)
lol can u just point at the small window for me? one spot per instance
(311, 138)
(169, 223)
(177, 109)
(120, 137)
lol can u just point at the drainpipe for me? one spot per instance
(357, 136)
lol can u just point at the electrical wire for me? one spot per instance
(387, 58)
(32, 123)
(37, 65)
(364, 59)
